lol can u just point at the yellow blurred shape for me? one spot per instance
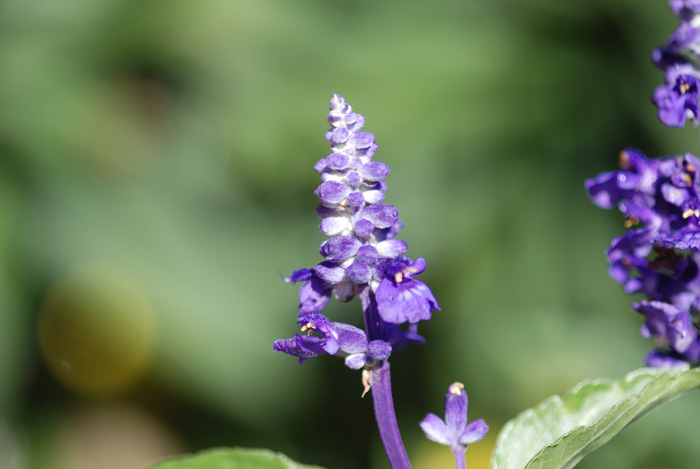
(110, 435)
(96, 331)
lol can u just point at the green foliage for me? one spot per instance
(560, 431)
(234, 458)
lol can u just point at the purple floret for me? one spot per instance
(401, 298)
(454, 431)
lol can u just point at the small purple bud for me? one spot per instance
(359, 273)
(339, 248)
(375, 171)
(340, 135)
(337, 161)
(363, 227)
(382, 216)
(367, 254)
(363, 140)
(353, 178)
(332, 192)
(356, 199)
(379, 350)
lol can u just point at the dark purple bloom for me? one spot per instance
(307, 346)
(454, 431)
(634, 182)
(677, 100)
(401, 298)
(671, 327)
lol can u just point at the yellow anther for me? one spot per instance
(398, 276)
(690, 212)
(456, 388)
(631, 221)
(308, 326)
(684, 88)
(624, 160)
(689, 168)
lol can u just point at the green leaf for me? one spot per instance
(231, 458)
(560, 431)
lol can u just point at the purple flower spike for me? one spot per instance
(362, 257)
(454, 431)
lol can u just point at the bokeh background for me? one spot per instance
(156, 177)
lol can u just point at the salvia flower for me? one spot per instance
(454, 431)
(659, 254)
(361, 257)
(362, 253)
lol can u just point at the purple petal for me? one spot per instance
(350, 338)
(313, 296)
(668, 323)
(674, 195)
(474, 432)
(330, 272)
(604, 190)
(659, 359)
(392, 248)
(436, 430)
(409, 301)
(456, 403)
(682, 239)
(298, 276)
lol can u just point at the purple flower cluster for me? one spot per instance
(677, 99)
(362, 256)
(659, 254)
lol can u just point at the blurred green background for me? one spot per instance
(156, 176)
